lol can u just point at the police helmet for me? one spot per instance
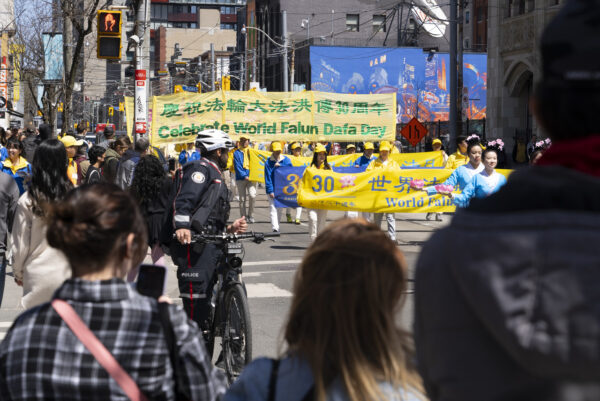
(211, 139)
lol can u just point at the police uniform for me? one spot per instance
(202, 205)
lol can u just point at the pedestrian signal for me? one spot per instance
(109, 34)
(111, 111)
(109, 22)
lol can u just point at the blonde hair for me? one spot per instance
(342, 318)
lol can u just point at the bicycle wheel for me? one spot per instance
(237, 336)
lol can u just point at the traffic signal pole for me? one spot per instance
(141, 85)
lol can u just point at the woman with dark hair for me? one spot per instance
(37, 267)
(102, 234)
(317, 218)
(15, 164)
(486, 182)
(3, 150)
(96, 158)
(150, 187)
(463, 175)
(343, 342)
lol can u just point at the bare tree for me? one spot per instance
(78, 22)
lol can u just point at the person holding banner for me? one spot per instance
(317, 218)
(460, 157)
(189, 155)
(463, 175)
(276, 160)
(384, 162)
(350, 149)
(367, 156)
(486, 182)
(436, 145)
(296, 149)
(246, 188)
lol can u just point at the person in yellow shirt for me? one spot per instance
(384, 162)
(71, 145)
(460, 157)
(317, 218)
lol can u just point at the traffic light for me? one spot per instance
(226, 82)
(109, 34)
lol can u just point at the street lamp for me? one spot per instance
(284, 46)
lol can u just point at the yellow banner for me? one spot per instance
(288, 116)
(380, 191)
(413, 160)
(129, 114)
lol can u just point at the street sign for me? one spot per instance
(141, 116)
(414, 131)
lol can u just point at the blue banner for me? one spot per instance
(53, 56)
(287, 179)
(420, 80)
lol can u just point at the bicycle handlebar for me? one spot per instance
(225, 237)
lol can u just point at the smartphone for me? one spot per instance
(152, 280)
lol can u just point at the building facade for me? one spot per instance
(353, 23)
(514, 64)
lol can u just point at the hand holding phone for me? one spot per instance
(152, 280)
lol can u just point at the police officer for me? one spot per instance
(202, 205)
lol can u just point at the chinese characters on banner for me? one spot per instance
(288, 116)
(380, 191)
(405, 160)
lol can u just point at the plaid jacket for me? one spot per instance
(41, 359)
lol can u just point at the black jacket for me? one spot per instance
(507, 298)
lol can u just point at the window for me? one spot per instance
(378, 23)
(467, 17)
(352, 22)
(467, 44)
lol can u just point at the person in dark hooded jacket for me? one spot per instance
(507, 298)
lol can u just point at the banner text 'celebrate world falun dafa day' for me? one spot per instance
(286, 116)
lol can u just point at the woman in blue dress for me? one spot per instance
(462, 175)
(484, 183)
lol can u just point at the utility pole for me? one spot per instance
(285, 53)
(453, 70)
(254, 65)
(292, 67)
(459, 104)
(141, 84)
(212, 67)
(68, 63)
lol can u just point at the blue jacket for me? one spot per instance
(3, 153)
(270, 172)
(461, 176)
(363, 161)
(479, 187)
(294, 381)
(238, 163)
(21, 175)
(183, 157)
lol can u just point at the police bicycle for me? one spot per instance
(230, 316)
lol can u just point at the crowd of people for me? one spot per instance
(505, 297)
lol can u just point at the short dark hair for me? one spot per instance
(90, 226)
(141, 145)
(567, 113)
(14, 142)
(95, 152)
(80, 128)
(109, 132)
(460, 138)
